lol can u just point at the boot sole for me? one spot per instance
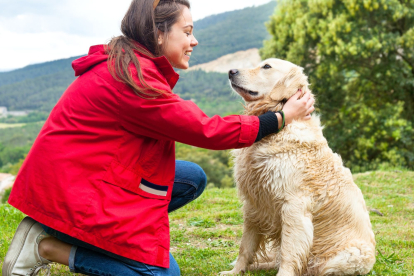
(16, 245)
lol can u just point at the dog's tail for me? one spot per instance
(357, 259)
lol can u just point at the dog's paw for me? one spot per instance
(283, 272)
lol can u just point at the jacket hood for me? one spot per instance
(97, 54)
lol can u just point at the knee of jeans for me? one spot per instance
(195, 174)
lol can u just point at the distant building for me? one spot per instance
(17, 113)
(3, 111)
(6, 181)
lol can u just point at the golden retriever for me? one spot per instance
(303, 213)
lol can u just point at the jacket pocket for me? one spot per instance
(118, 175)
(152, 190)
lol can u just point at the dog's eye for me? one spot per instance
(267, 66)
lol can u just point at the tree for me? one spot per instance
(359, 56)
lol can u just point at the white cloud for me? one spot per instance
(90, 17)
(34, 31)
(30, 48)
(203, 8)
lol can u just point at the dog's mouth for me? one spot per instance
(241, 90)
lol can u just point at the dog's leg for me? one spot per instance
(249, 244)
(270, 262)
(297, 236)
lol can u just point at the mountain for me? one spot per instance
(36, 70)
(38, 87)
(229, 32)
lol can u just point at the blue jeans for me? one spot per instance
(189, 183)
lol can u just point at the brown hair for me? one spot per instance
(141, 24)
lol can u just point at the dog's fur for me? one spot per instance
(303, 214)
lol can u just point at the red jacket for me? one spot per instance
(102, 168)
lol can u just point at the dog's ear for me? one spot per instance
(289, 85)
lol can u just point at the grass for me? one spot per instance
(205, 234)
(2, 125)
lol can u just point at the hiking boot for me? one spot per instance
(23, 256)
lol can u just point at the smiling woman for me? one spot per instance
(162, 36)
(178, 45)
(101, 177)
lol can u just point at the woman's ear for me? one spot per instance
(160, 38)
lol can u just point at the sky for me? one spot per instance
(36, 31)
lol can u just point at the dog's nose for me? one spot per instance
(233, 72)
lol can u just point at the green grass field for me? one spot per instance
(205, 234)
(10, 125)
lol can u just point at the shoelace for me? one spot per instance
(45, 266)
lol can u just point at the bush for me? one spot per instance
(6, 195)
(214, 163)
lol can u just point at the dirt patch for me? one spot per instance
(238, 60)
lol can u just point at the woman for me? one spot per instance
(101, 177)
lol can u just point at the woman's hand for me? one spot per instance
(298, 109)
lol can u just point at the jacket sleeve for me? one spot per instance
(183, 121)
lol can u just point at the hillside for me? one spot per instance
(36, 70)
(238, 60)
(229, 32)
(210, 91)
(38, 87)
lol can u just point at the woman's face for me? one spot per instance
(180, 41)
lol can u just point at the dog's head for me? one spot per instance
(269, 85)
